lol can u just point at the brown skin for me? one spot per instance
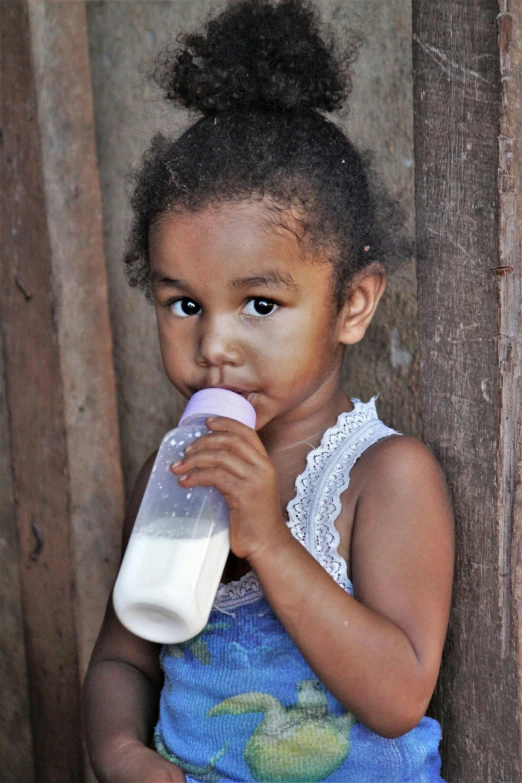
(378, 652)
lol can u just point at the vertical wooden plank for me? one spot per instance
(35, 402)
(509, 275)
(469, 330)
(61, 386)
(80, 299)
(16, 742)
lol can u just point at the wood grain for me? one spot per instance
(469, 330)
(35, 403)
(61, 394)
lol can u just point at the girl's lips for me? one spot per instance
(249, 396)
(241, 392)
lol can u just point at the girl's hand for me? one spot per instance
(133, 762)
(232, 458)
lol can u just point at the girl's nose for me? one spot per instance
(217, 346)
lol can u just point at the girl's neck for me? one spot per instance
(307, 424)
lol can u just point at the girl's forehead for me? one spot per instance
(231, 237)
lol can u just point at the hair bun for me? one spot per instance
(258, 54)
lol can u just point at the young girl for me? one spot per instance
(264, 247)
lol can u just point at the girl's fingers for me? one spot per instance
(225, 460)
(224, 441)
(223, 424)
(221, 479)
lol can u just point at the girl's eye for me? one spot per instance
(184, 307)
(258, 305)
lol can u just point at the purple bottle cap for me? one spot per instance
(220, 402)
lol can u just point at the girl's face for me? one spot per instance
(237, 307)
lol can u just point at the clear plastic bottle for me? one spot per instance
(178, 548)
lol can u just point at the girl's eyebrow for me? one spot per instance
(269, 280)
(168, 282)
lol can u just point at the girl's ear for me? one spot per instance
(357, 312)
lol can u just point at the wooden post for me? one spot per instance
(58, 353)
(467, 131)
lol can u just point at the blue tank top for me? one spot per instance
(240, 703)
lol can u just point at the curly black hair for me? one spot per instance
(262, 73)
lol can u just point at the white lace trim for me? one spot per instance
(324, 504)
(316, 505)
(242, 591)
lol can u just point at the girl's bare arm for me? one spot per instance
(379, 652)
(121, 693)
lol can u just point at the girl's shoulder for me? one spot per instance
(397, 462)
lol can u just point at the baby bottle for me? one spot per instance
(178, 548)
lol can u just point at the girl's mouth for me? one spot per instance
(249, 396)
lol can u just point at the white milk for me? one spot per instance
(166, 586)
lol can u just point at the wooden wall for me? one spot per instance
(82, 366)
(60, 385)
(468, 126)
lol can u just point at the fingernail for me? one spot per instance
(211, 418)
(184, 476)
(175, 464)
